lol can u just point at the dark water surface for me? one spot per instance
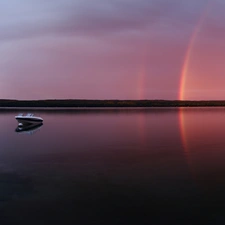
(114, 167)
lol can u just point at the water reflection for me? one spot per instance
(142, 129)
(118, 166)
(29, 128)
(202, 134)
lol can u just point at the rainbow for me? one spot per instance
(142, 73)
(184, 70)
(141, 83)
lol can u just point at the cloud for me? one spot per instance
(83, 46)
(28, 19)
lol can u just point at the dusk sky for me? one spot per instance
(112, 49)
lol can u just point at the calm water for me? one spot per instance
(114, 167)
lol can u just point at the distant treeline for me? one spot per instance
(108, 103)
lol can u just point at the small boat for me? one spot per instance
(28, 118)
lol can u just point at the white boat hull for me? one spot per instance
(28, 119)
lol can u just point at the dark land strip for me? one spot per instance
(109, 103)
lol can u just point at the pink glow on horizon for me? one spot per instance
(202, 71)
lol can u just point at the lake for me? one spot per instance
(114, 167)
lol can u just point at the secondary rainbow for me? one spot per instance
(142, 73)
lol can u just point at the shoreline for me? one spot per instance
(107, 103)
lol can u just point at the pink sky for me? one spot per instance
(112, 49)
